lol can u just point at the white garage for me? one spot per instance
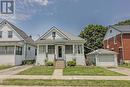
(103, 57)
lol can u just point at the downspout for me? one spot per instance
(122, 46)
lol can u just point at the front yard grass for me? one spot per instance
(90, 71)
(126, 65)
(5, 67)
(38, 70)
(88, 83)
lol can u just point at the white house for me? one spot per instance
(57, 45)
(103, 57)
(15, 45)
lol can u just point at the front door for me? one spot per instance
(60, 53)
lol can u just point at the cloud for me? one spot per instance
(41, 2)
(25, 9)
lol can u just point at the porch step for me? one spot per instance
(59, 64)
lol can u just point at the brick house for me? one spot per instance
(117, 39)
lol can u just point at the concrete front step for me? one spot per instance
(59, 64)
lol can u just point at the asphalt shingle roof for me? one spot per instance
(122, 28)
(102, 51)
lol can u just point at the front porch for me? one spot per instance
(10, 53)
(60, 54)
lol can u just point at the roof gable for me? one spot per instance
(21, 33)
(111, 32)
(59, 35)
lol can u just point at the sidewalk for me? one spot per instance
(122, 70)
(14, 70)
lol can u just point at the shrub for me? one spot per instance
(49, 63)
(71, 63)
(28, 62)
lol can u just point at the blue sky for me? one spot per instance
(37, 16)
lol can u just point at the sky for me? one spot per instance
(35, 17)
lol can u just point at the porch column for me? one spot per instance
(14, 49)
(73, 48)
(82, 48)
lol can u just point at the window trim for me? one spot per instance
(10, 34)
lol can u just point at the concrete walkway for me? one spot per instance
(44, 77)
(39, 86)
(14, 70)
(122, 70)
(57, 73)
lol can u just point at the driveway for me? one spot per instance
(121, 70)
(14, 70)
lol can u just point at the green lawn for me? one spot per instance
(38, 70)
(126, 65)
(5, 67)
(90, 83)
(91, 71)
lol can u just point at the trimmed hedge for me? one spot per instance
(49, 63)
(28, 62)
(71, 63)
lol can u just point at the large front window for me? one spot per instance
(78, 49)
(69, 49)
(6, 50)
(18, 50)
(51, 49)
(42, 49)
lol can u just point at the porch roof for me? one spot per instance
(10, 43)
(58, 41)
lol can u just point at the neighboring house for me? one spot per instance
(117, 39)
(103, 57)
(57, 45)
(15, 45)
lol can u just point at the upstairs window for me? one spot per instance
(0, 34)
(10, 34)
(115, 40)
(53, 35)
(110, 31)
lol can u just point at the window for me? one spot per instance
(29, 48)
(53, 34)
(0, 34)
(18, 50)
(115, 40)
(110, 31)
(10, 34)
(68, 49)
(10, 50)
(51, 49)
(78, 49)
(6, 50)
(42, 49)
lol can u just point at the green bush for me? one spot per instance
(28, 62)
(49, 63)
(71, 63)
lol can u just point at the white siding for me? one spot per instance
(5, 30)
(112, 34)
(7, 59)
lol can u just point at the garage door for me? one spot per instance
(106, 60)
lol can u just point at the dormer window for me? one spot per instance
(110, 31)
(53, 35)
(10, 34)
(0, 34)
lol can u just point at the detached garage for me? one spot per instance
(103, 57)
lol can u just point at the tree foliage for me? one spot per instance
(93, 35)
(126, 22)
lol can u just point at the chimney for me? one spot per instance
(30, 36)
